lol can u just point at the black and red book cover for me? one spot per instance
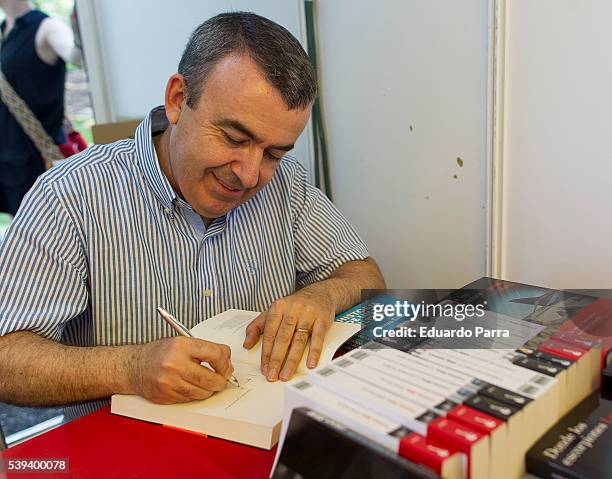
(319, 447)
(578, 446)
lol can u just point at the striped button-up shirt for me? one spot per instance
(102, 240)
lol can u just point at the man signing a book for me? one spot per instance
(203, 211)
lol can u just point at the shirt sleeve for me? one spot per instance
(324, 239)
(43, 281)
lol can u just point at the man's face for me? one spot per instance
(225, 149)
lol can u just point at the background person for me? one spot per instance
(33, 55)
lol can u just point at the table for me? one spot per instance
(103, 445)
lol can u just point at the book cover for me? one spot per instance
(578, 446)
(306, 452)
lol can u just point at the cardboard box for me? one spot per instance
(108, 132)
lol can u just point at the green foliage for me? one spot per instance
(83, 125)
(5, 220)
(56, 8)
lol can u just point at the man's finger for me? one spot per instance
(213, 354)
(225, 349)
(283, 339)
(319, 330)
(254, 330)
(273, 321)
(296, 351)
(203, 378)
(186, 391)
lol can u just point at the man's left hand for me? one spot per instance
(286, 327)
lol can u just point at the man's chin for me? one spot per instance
(213, 212)
(218, 207)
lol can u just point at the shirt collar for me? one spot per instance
(146, 156)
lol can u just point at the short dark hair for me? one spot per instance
(278, 54)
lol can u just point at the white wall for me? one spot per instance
(557, 220)
(388, 65)
(140, 43)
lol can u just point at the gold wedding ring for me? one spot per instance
(302, 330)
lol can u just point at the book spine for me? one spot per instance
(462, 438)
(415, 389)
(387, 433)
(464, 369)
(369, 394)
(500, 372)
(419, 450)
(563, 349)
(551, 358)
(454, 434)
(484, 423)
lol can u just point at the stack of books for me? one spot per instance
(465, 412)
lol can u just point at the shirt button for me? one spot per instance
(208, 293)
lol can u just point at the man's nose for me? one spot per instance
(248, 168)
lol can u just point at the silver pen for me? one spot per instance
(183, 331)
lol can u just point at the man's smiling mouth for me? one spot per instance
(227, 187)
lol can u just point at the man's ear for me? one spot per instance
(175, 97)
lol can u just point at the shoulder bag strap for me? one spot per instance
(30, 124)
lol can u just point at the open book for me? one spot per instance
(250, 414)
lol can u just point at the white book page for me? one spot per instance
(229, 328)
(256, 400)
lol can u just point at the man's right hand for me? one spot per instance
(169, 371)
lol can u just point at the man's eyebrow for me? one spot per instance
(236, 125)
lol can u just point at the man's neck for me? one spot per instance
(13, 10)
(160, 143)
